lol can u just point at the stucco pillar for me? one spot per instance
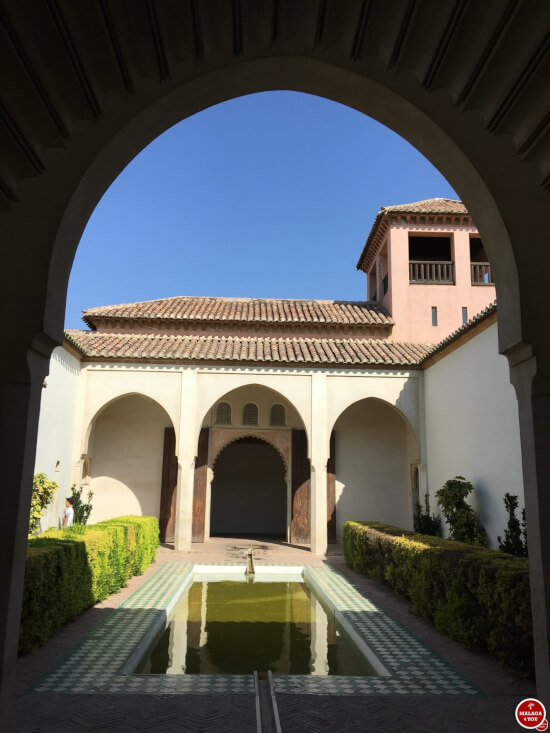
(462, 263)
(533, 392)
(320, 446)
(379, 290)
(19, 409)
(187, 452)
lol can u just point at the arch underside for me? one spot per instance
(427, 87)
(249, 490)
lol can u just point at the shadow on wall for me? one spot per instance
(374, 448)
(126, 451)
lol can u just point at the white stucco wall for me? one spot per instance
(56, 431)
(125, 449)
(374, 445)
(472, 427)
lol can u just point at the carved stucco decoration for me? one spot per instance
(220, 438)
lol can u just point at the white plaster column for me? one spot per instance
(423, 484)
(208, 507)
(20, 394)
(379, 290)
(533, 392)
(319, 638)
(186, 448)
(320, 445)
(177, 650)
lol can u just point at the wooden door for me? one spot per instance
(168, 488)
(331, 491)
(300, 524)
(199, 488)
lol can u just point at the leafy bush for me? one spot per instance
(43, 491)
(477, 596)
(515, 536)
(141, 539)
(424, 521)
(464, 525)
(71, 569)
(82, 510)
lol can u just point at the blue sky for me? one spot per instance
(270, 195)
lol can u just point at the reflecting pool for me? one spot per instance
(236, 627)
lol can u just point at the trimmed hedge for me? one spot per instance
(69, 570)
(477, 596)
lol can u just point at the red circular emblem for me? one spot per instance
(543, 725)
(531, 713)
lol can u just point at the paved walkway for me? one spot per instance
(300, 713)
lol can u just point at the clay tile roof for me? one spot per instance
(429, 206)
(147, 347)
(249, 310)
(426, 206)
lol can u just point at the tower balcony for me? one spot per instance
(481, 273)
(432, 272)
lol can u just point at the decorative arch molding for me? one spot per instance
(277, 439)
(208, 402)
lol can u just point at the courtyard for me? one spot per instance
(86, 88)
(485, 691)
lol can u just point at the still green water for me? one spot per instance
(228, 627)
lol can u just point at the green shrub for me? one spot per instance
(515, 535)
(82, 510)
(424, 521)
(464, 525)
(477, 596)
(71, 569)
(141, 537)
(43, 491)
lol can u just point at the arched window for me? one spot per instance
(223, 413)
(278, 415)
(250, 414)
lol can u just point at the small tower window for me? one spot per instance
(250, 414)
(464, 315)
(278, 415)
(223, 413)
(434, 315)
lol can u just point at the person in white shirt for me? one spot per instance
(69, 512)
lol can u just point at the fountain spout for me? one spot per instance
(250, 563)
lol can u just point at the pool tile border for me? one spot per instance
(96, 664)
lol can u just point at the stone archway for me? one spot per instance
(288, 438)
(462, 82)
(375, 450)
(131, 459)
(249, 490)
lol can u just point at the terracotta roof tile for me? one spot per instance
(433, 206)
(245, 310)
(357, 352)
(429, 206)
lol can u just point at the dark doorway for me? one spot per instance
(249, 491)
(168, 490)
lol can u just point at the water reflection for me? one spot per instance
(236, 627)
